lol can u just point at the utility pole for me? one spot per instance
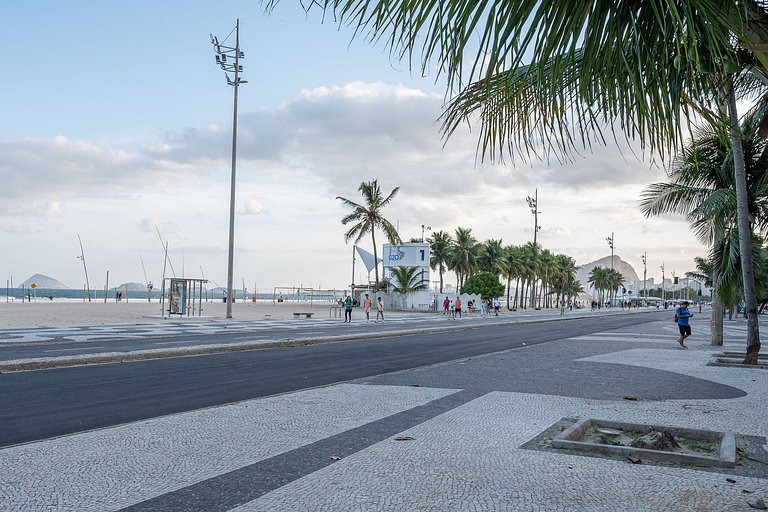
(674, 283)
(222, 52)
(609, 239)
(423, 227)
(533, 204)
(663, 296)
(645, 275)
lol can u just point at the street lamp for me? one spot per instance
(663, 296)
(645, 274)
(609, 239)
(224, 56)
(423, 227)
(533, 204)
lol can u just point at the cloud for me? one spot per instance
(252, 207)
(295, 159)
(335, 137)
(154, 225)
(39, 173)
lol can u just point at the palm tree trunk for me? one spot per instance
(517, 292)
(440, 270)
(745, 231)
(509, 284)
(717, 306)
(375, 260)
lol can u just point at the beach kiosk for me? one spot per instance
(184, 296)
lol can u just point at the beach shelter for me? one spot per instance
(368, 260)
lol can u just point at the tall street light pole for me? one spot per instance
(224, 56)
(533, 204)
(663, 296)
(423, 227)
(609, 239)
(645, 274)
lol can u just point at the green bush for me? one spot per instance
(484, 284)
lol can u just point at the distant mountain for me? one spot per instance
(132, 287)
(618, 264)
(44, 282)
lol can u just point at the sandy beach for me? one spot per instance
(45, 313)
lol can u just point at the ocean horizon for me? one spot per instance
(70, 294)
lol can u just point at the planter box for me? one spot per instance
(725, 456)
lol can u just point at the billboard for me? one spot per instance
(407, 255)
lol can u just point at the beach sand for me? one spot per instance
(45, 313)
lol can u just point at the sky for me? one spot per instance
(117, 124)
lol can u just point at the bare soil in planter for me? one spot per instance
(620, 437)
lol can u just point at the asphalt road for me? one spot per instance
(43, 404)
(79, 340)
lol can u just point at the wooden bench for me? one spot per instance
(306, 315)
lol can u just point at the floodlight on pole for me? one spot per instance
(609, 239)
(221, 59)
(423, 227)
(533, 204)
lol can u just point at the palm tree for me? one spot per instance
(407, 280)
(492, 258)
(465, 251)
(643, 67)
(702, 188)
(368, 218)
(599, 278)
(528, 273)
(563, 276)
(514, 269)
(440, 248)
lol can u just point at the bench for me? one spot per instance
(306, 315)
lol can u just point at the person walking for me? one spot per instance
(496, 305)
(458, 307)
(348, 309)
(379, 310)
(367, 305)
(682, 314)
(446, 305)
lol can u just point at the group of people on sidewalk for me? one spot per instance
(453, 308)
(367, 305)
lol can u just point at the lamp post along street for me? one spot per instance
(609, 239)
(533, 204)
(423, 227)
(645, 275)
(222, 54)
(663, 296)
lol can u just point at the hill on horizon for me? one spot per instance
(131, 287)
(43, 281)
(622, 266)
